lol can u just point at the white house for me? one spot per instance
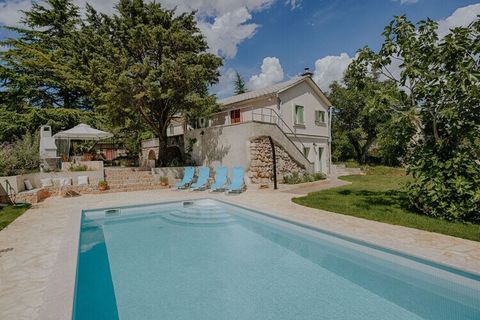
(294, 113)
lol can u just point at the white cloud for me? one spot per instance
(329, 69)
(272, 72)
(225, 23)
(459, 18)
(224, 87)
(408, 1)
(294, 4)
(216, 7)
(228, 31)
(10, 11)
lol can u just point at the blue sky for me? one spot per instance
(268, 41)
(327, 27)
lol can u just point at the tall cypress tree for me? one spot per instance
(239, 84)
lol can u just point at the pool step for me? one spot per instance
(202, 218)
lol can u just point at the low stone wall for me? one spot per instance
(17, 182)
(261, 165)
(91, 165)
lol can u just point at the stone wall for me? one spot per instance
(261, 167)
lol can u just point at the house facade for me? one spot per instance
(297, 106)
(295, 114)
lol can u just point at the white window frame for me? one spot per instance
(319, 121)
(306, 151)
(295, 117)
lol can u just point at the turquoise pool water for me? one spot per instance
(205, 259)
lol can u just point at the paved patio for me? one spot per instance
(37, 271)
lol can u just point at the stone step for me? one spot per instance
(129, 180)
(128, 175)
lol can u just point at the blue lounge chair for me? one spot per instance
(220, 179)
(238, 184)
(188, 174)
(202, 180)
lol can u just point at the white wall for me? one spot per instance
(175, 130)
(303, 95)
(230, 145)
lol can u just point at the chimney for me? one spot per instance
(307, 72)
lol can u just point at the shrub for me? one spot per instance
(20, 157)
(446, 187)
(80, 167)
(164, 180)
(293, 178)
(296, 178)
(102, 184)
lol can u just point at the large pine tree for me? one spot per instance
(152, 65)
(39, 67)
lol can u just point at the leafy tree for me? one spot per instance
(239, 84)
(12, 125)
(441, 96)
(40, 67)
(152, 64)
(356, 121)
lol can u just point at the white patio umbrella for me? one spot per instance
(83, 132)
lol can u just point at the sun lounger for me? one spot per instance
(188, 174)
(221, 174)
(201, 183)
(238, 184)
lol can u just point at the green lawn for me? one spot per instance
(8, 214)
(378, 196)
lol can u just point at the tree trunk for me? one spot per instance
(162, 150)
(356, 148)
(366, 148)
(361, 152)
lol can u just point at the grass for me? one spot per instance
(378, 196)
(9, 214)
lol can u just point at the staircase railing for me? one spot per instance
(273, 117)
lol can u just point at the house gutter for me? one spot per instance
(330, 115)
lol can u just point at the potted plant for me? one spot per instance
(164, 181)
(102, 185)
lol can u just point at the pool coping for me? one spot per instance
(60, 293)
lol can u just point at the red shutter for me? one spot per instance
(235, 116)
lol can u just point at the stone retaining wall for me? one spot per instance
(261, 166)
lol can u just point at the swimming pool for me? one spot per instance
(206, 259)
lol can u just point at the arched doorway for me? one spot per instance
(152, 155)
